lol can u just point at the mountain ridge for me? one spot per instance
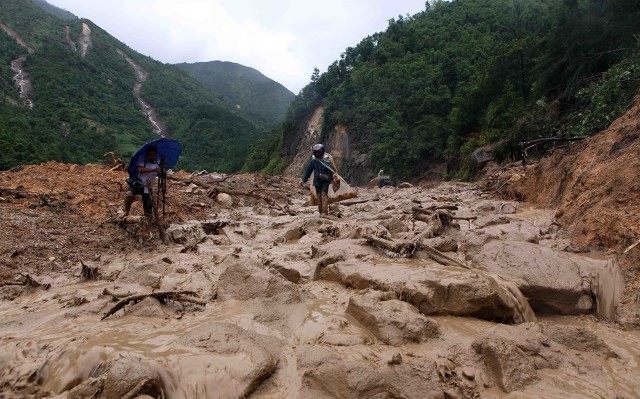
(85, 105)
(257, 96)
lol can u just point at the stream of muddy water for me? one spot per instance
(302, 307)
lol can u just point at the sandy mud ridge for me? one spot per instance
(400, 293)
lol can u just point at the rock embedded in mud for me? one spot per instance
(289, 273)
(326, 373)
(224, 200)
(578, 338)
(435, 290)
(148, 307)
(243, 281)
(510, 367)
(554, 282)
(239, 359)
(390, 320)
(130, 377)
(442, 244)
(190, 233)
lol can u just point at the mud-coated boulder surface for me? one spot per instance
(509, 365)
(551, 280)
(390, 320)
(577, 338)
(186, 234)
(239, 359)
(244, 281)
(435, 290)
(326, 374)
(129, 376)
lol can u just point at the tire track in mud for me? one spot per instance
(149, 111)
(21, 78)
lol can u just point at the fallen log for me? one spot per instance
(27, 281)
(402, 249)
(440, 257)
(163, 297)
(350, 203)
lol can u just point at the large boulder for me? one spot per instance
(243, 281)
(509, 365)
(390, 320)
(132, 377)
(326, 373)
(554, 282)
(435, 290)
(237, 361)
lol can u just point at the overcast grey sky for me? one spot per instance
(284, 39)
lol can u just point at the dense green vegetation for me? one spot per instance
(85, 107)
(260, 98)
(466, 73)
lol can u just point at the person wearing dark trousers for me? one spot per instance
(323, 169)
(143, 183)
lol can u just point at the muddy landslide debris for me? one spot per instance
(400, 293)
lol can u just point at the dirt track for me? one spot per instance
(297, 305)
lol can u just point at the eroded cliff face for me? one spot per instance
(351, 157)
(594, 189)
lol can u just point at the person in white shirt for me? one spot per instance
(148, 170)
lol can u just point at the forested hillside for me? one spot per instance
(437, 85)
(256, 96)
(84, 104)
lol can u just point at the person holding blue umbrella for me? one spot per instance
(150, 161)
(143, 182)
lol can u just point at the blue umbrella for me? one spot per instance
(168, 152)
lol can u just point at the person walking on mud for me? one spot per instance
(141, 184)
(323, 169)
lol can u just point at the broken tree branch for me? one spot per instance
(401, 249)
(179, 296)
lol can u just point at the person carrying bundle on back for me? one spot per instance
(323, 169)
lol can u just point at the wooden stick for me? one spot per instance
(180, 296)
(403, 249)
(440, 257)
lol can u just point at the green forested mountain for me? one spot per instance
(259, 98)
(465, 73)
(85, 105)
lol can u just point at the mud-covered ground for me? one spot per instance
(401, 293)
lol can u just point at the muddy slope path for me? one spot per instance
(400, 293)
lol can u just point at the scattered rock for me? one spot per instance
(327, 374)
(289, 273)
(442, 244)
(390, 320)
(187, 234)
(395, 359)
(491, 220)
(294, 233)
(243, 281)
(148, 307)
(224, 200)
(509, 365)
(240, 359)
(130, 378)
(578, 338)
(405, 185)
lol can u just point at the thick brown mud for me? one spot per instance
(299, 306)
